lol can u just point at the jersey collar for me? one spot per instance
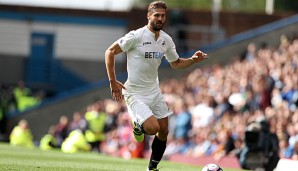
(151, 33)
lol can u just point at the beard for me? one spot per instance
(157, 27)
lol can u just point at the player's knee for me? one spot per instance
(164, 132)
(152, 129)
(151, 126)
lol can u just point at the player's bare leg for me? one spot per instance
(159, 128)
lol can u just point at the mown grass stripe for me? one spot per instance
(23, 159)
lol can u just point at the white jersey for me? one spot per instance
(144, 55)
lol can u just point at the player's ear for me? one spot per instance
(148, 16)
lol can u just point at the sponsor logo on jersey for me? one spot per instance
(154, 55)
(146, 43)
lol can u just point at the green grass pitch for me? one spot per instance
(22, 159)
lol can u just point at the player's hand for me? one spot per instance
(199, 56)
(116, 90)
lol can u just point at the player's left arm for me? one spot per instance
(182, 63)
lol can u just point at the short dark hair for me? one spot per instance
(157, 5)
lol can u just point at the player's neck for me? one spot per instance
(156, 33)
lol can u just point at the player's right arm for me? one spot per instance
(115, 85)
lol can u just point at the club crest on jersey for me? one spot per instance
(154, 55)
(163, 44)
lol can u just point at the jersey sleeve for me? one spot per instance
(128, 41)
(171, 53)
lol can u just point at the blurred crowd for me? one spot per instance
(214, 105)
(212, 108)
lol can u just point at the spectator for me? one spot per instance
(19, 93)
(96, 119)
(183, 120)
(177, 145)
(61, 130)
(48, 141)
(21, 90)
(286, 151)
(111, 145)
(113, 109)
(203, 113)
(6, 105)
(225, 144)
(200, 145)
(295, 155)
(75, 142)
(78, 122)
(21, 135)
(24, 98)
(293, 133)
(26, 102)
(250, 52)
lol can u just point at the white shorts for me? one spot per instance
(141, 107)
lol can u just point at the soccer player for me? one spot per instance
(145, 48)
